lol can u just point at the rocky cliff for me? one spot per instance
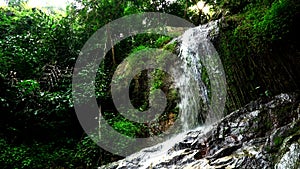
(263, 134)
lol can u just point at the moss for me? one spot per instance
(278, 141)
(161, 41)
(282, 142)
(171, 47)
(142, 86)
(206, 80)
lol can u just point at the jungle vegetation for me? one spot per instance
(258, 45)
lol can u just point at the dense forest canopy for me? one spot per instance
(39, 47)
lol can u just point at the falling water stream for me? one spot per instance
(195, 51)
(193, 92)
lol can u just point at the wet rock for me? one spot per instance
(291, 158)
(262, 134)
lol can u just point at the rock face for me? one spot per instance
(263, 134)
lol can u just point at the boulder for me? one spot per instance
(263, 134)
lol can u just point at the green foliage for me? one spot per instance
(16, 3)
(126, 127)
(131, 8)
(278, 141)
(139, 48)
(161, 41)
(278, 20)
(29, 42)
(36, 156)
(159, 77)
(253, 49)
(171, 47)
(63, 153)
(261, 25)
(39, 128)
(28, 86)
(34, 109)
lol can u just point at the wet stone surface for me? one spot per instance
(246, 138)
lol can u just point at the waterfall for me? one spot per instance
(196, 52)
(199, 104)
(195, 48)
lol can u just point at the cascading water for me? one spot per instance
(194, 44)
(196, 51)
